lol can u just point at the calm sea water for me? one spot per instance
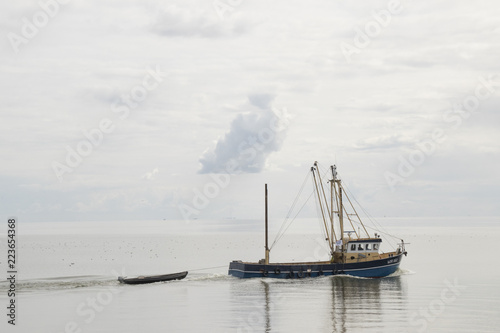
(449, 282)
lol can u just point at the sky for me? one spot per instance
(152, 110)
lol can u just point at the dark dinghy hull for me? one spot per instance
(153, 278)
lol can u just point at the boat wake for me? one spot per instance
(401, 272)
(62, 283)
(208, 277)
(65, 283)
(398, 272)
(90, 281)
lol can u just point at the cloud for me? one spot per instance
(252, 137)
(175, 21)
(150, 175)
(262, 101)
(369, 113)
(383, 142)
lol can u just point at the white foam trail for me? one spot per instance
(209, 277)
(402, 271)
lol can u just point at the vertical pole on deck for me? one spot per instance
(267, 247)
(341, 215)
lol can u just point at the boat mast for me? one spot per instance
(328, 239)
(341, 216)
(341, 207)
(332, 189)
(267, 247)
(330, 216)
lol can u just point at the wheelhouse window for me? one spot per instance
(353, 247)
(375, 247)
(360, 247)
(368, 247)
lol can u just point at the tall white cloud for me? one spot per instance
(252, 137)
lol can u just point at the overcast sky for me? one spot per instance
(115, 109)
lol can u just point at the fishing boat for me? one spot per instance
(153, 278)
(352, 252)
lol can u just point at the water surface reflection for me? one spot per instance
(366, 303)
(329, 304)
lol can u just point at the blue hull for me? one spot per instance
(369, 269)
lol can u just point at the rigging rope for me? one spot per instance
(287, 222)
(202, 269)
(281, 231)
(319, 215)
(374, 221)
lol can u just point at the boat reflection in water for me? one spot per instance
(367, 304)
(327, 304)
